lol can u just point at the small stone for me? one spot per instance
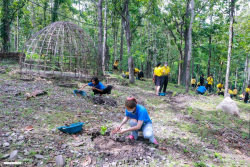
(60, 160)
(7, 134)
(53, 130)
(5, 156)
(19, 157)
(21, 137)
(39, 163)
(151, 148)
(105, 165)
(113, 163)
(6, 144)
(38, 156)
(13, 155)
(26, 152)
(63, 146)
(106, 159)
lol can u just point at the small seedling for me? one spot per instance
(103, 130)
(185, 151)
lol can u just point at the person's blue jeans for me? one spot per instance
(147, 130)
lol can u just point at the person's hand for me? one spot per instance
(118, 128)
(93, 88)
(121, 131)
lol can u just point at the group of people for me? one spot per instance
(201, 88)
(138, 115)
(160, 77)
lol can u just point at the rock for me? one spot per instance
(106, 159)
(229, 106)
(39, 163)
(13, 155)
(38, 156)
(53, 130)
(21, 137)
(26, 152)
(113, 163)
(5, 156)
(6, 144)
(60, 160)
(79, 144)
(63, 146)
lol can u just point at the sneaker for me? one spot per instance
(131, 137)
(156, 143)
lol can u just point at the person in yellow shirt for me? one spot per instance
(222, 91)
(193, 81)
(235, 92)
(210, 81)
(230, 92)
(116, 63)
(219, 87)
(157, 78)
(165, 70)
(247, 94)
(127, 74)
(136, 71)
(241, 96)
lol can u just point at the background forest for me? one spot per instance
(194, 36)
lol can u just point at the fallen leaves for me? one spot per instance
(29, 128)
(76, 138)
(87, 161)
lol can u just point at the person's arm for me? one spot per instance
(83, 86)
(123, 122)
(137, 127)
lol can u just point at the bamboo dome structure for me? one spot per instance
(60, 48)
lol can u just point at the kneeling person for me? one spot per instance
(201, 90)
(140, 121)
(98, 87)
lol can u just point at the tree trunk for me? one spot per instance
(229, 47)
(236, 77)
(121, 47)
(248, 77)
(17, 32)
(128, 38)
(189, 55)
(5, 28)
(100, 38)
(210, 49)
(220, 71)
(155, 47)
(245, 74)
(192, 73)
(105, 39)
(148, 54)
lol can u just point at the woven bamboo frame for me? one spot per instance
(61, 47)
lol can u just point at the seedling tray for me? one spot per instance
(72, 128)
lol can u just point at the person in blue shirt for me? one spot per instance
(98, 87)
(201, 90)
(140, 121)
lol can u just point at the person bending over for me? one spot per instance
(140, 121)
(201, 90)
(193, 81)
(219, 87)
(98, 87)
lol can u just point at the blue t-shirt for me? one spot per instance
(98, 86)
(140, 114)
(202, 89)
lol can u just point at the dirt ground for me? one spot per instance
(188, 128)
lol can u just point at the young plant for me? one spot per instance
(103, 130)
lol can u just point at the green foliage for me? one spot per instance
(200, 164)
(103, 130)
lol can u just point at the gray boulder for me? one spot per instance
(229, 106)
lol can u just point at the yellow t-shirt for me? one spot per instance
(136, 70)
(193, 81)
(116, 63)
(165, 70)
(235, 92)
(157, 71)
(230, 92)
(210, 80)
(199, 84)
(241, 95)
(220, 86)
(247, 90)
(127, 73)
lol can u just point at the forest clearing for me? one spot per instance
(189, 129)
(124, 83)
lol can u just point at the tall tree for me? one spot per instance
(230, 45)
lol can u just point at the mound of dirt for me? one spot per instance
(104, 101)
